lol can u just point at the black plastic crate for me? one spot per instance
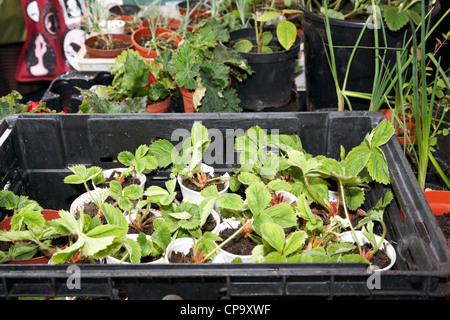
(36, 151)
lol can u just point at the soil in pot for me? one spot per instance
(160, 41)
(102, 45)
(180, 257)
(129, 180)
(188, 184)
(379, 259)
(90, 208)
(239, 245)
(148, 229)
(209, 225)
(355, 216)
(444, 224)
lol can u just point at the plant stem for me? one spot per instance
(212, 253)
(344, 204)
(311, 192)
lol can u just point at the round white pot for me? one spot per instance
(348, 236)
(112, 26)
(196, 196)
(142, 178)
(184, 245)
(99, 194)
(112, 260)
(231, 223)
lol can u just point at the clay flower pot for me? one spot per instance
(159, 107)
(48, 216)
(188, 101)
(410, 128)
(107, 54)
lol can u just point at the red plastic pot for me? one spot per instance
(145, 32)
(188, 101)
(48, 216)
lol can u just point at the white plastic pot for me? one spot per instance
(112, 26)
(100, 196)
(112, 260)
(184, 245)
(228, 257)
(348, 236)
(196, 196)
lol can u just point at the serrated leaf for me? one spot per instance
(395, 18)
(164, 152)
(294, 242)
(73, 179)
(115, 188)
(132, 192)
(184, 215)
(283, 214)
(382, 133)
(356, 160)
(354, 197)
(134, 250)
(231, 201)
(258, 197)
(274, 235)
(377, 167)
(248, 178)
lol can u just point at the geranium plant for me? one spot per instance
(203, 65)
(136, 84)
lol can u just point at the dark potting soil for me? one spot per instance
(209, 225)
(180, 257)
(160, 42)
(129, 180)
(239, 245)
(379, 259)
(188, 184)
(90, 208)
(148, 228)
(444, 224)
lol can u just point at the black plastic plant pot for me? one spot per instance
(271, 84)
(320, 87)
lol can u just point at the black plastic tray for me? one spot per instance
(36, 150)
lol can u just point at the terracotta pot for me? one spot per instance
(108, 54)
(145, 32)
(48, 215)
(159, 107)
(200, 12)
(410, 127)
(188, 100)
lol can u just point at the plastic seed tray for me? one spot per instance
(36, 150)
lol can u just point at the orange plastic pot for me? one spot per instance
(145, 32)
(188, 100)
(107, 54)
(48, 216)
(159, 107)
(439, 201)
(410, 127)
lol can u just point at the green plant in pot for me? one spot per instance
(273, 59)
(357, 40)
(202, 69)
(28, 231)
(138, 86)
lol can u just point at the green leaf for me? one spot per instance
(243, 46)
(115, 188)
(163, 151)
(269, 16)
(339, 248)
(395, 17)
(231, 201)
(378, 168)
(382, 133)
(248, 178)
(283, 214)
(115, 217)
(294, 242)
(258, 197)
(274, 235)
(279, 185)
(355, 197)
(134, 250)
(184, 215)
(332, 13)
(266, 38)
(356, 160)
(132, 192)
(286, 33)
